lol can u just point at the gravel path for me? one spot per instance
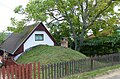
(115, 74)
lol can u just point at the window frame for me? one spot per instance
(38, 35)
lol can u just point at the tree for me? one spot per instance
(75, 16)
(2, 37)
(18, 25)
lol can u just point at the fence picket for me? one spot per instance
(8, 73)
(60, 70)
(51, 71)
(30, 71)
(16, 72)
(12, 72)
(19, 71)
(46, 73)
(42, 71)
(34, 69)
(63, 69)
(26, 69)
(54, 71)
(3, 72)
(22, 71)
(38, 70)
(58, 73)
(49, 66)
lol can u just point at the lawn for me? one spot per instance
(50, 54)
(91, 74)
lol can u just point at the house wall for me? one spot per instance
(30, 42)
(19, 50)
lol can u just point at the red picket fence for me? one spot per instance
(8, 62)
(24, 71)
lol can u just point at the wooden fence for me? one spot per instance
(58, 70)
(24, 71)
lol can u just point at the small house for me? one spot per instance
(32, 35)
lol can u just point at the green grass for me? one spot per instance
(91, 74)
(50, 54)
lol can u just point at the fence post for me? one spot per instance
(8, 72)
(23, 72)
(34, 67)
(92, 63)
(38, 70)
(30, 71)
(49, 66)
(3, 72)
(118, 58)
(66, 68)
(46, 73)
(55, 75)
(112, 60)
(58, 73)
(42, 71)
(51, 71)
(12, 71)
(26, 66)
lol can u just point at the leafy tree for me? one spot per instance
(101, 45)
(18, 25)
(2, 37)
(72, 18)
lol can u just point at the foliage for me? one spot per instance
(2, 37)
(76, 17)
(49, 54)
(18, 25)
(101, 45)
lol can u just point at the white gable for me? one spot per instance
(31, 40)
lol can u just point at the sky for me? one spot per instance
(6, 11)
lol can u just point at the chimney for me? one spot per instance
(64, 42)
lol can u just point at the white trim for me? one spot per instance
(16, 57)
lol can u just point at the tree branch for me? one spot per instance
(55, 20)
(101, 11)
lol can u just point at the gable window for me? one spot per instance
(39, 37)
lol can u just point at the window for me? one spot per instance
(39, 37)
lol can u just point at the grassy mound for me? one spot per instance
(49, 54)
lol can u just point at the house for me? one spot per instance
(32, 35)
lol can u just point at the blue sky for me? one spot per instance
(6, 11)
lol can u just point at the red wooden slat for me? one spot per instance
(3, 73)
(34, 66)
(30, 71)
(12, 71)
(23, 75)
(19, 71)
(0, 73)
(26, 66)
(38, 70)
(16, 72)
(8, 72)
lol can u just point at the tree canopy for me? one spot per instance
(71, 18)
(2, 37)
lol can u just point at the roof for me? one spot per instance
(13, 42)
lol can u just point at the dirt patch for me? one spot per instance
(111, 74)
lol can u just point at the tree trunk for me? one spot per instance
(74, 36)
(81, 38)
(73, 30)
